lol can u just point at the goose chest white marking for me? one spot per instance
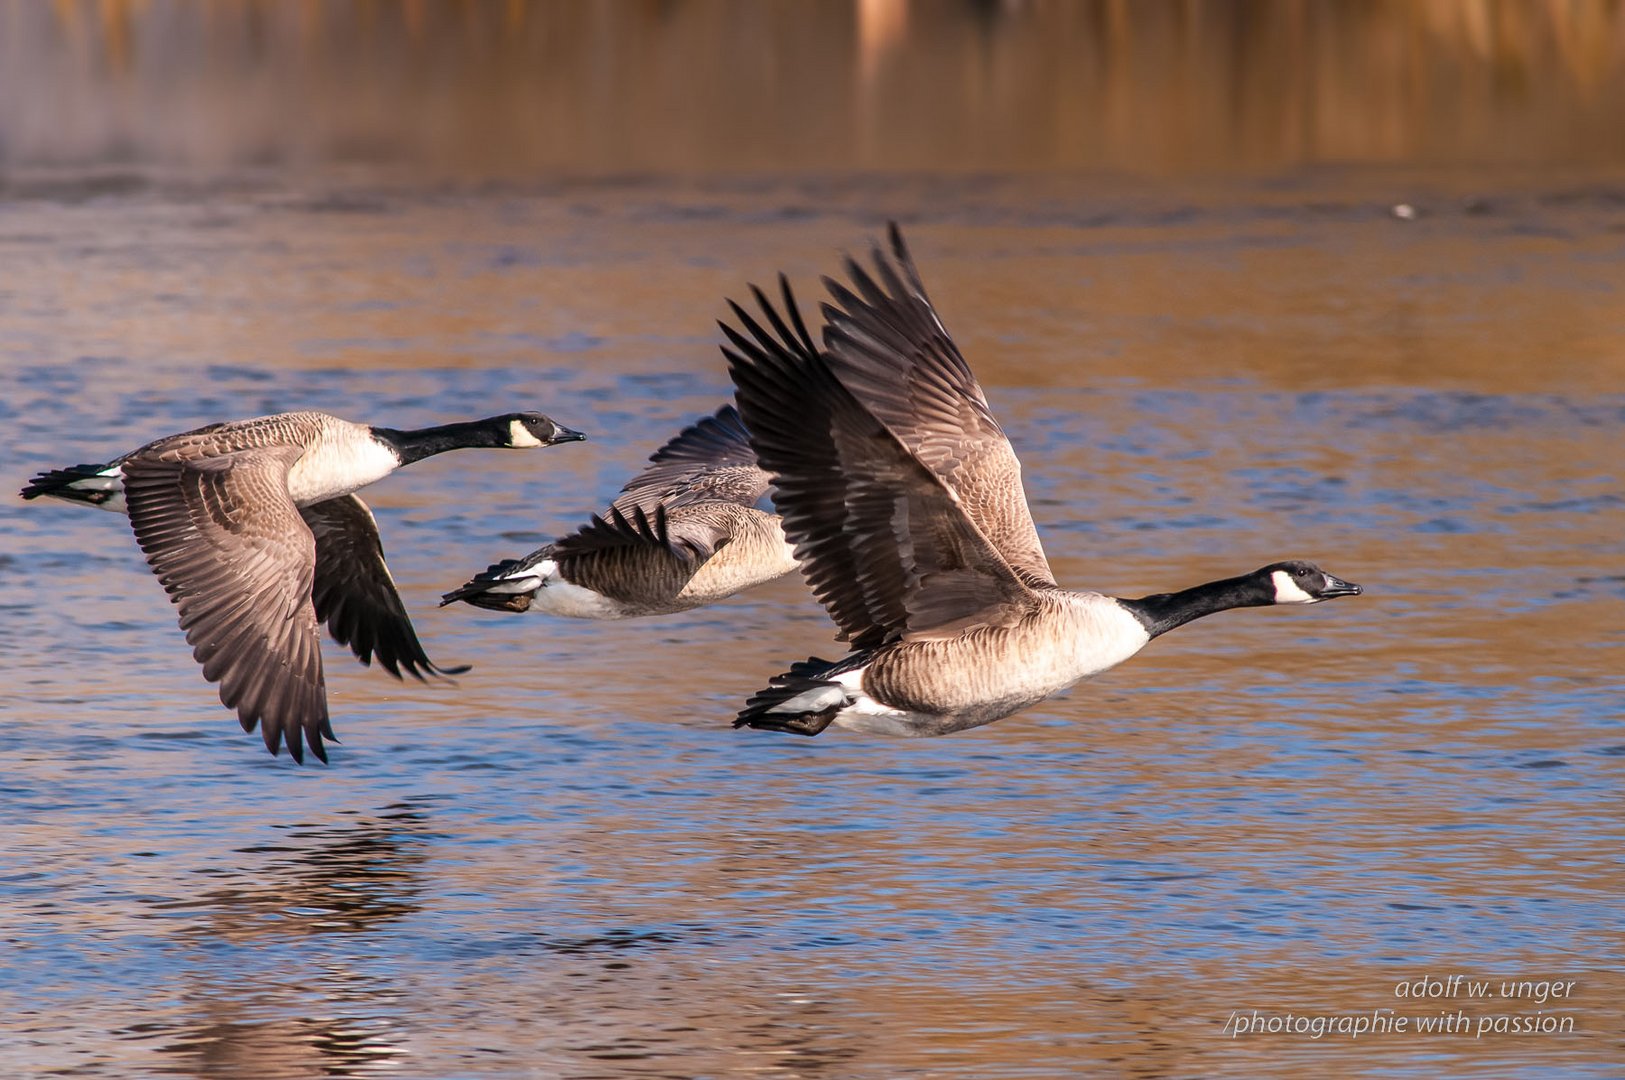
(904, 502)
(683, 533)
(342, 460)
(254, 529)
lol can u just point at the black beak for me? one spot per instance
(564, 434)
(1338, 587)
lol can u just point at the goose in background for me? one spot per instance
(684, 532)
(254, 530)
(904, 501)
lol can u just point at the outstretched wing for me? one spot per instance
(229, 546)
(887, 346)
(885, 543)
(711, 460)
(354, 593)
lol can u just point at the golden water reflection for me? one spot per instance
(434, 89)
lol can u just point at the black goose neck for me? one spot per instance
(1165, 611)
(420, 443)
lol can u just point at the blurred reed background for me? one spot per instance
(505, 90)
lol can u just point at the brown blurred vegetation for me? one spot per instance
(508, 89)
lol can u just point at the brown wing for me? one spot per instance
(889, 348)
(689, 542)
(709, 461)
(234, 555)
(354, 593)
(884, 542)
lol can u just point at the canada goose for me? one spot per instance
(683, 533)
(904, 501)
(253, 530)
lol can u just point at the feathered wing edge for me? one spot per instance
(887, 344)
(264, 653)
(883, 540)
(355, 594)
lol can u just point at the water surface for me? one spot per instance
(568, 864)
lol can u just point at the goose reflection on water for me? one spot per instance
(287, 970)
(257, 1016)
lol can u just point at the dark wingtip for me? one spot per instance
(315, 737)
(894, 233)
(455, 669)
(296, 748)
(794, 311)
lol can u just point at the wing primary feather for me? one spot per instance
(773, 317)
(900, 250)
(794, 311)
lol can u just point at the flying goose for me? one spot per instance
(253, 529)
(683, 533)
(904, 501)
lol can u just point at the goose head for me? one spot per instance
(521, 431)
(1298, 582)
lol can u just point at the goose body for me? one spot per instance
(256, 533)
(685, 532)
(904, 501)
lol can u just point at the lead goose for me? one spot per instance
(684, 532)
(253, 529)
(904, 501)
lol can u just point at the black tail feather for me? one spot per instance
(59, 482)
(477, 590)
(765, 711)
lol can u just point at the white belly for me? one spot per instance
(555, 596)
(877, 719)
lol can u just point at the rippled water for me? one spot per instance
(569, 865)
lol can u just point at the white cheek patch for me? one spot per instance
(519, 436)
(1287, 590)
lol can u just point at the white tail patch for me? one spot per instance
(110, 481)
(521, 583)
(525, 578)
(812, 700)
(1288, 591)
